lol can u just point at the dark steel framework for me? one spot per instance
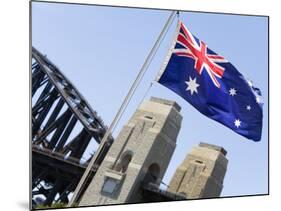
(57, 107)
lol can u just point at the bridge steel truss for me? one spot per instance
(56, 157)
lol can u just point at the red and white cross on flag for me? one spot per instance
(203, 60)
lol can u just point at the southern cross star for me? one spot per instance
(258, 99)
(191, 85)
(232, 92)
(237, 123)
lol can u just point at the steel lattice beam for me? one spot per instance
(56, 160)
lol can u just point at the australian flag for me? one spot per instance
(212, 85)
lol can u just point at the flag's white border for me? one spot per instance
(170, 51)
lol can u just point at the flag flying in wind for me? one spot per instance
(212, 85)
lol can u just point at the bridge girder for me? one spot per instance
(56, 159)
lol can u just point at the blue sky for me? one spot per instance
(101, 49)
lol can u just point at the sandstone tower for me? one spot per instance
(202, 172)
(139, 155)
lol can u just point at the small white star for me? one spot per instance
(258, 99)
(232, 92)
(248, 107)
(191, 85)
(237, 123)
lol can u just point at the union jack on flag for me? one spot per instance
(198, 52)
(211, 84)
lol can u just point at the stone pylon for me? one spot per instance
(202, 172)
(139, 155)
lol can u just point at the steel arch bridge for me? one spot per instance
(57, 108)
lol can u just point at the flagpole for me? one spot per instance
(143, 69)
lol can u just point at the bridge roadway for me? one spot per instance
(62, 173)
